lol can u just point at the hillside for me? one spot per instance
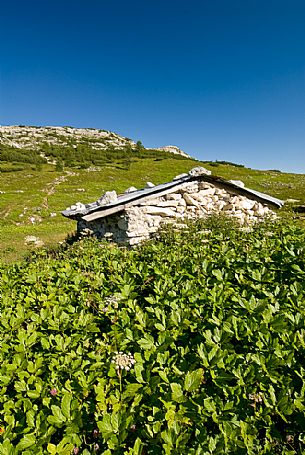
(32, 194)
(77, 147)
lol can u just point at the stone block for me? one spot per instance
(172, 203)
(190, 200)
(173, 196)
(161, 211)
(207, 192)
(123, 224)
(205, 185)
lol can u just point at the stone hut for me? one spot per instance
(137, 214)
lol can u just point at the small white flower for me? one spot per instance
(123, 361)
(111, 301)
(256, 398)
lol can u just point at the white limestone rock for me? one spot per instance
(238, 183)
(205, 185)
(154, 201)
(189, 187)
(131, 189)
(190, 201)
(220, 191)
(221, 205)
(173, 149)
(107, 198)
(78, 207)
(173, 196)
(172, 203)
(199, 170)
(181, 209)
(161, 211)
(180, 176)
(246, 204)
(207, 192)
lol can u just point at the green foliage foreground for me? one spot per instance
(207, 325)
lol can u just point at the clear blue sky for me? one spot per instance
(222, 79)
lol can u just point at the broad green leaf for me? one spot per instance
(193, 379)
(58, 415)
(105, 426)
(138, 368)
(30, 418)
(160, 327)
(51, 448)
(147, 343)
(209, 404)
(7, 448)
(27, 441)
(138, 446)
(65, 405)
(217, 273)
(177, 392)
(131, 390)
(163, 376)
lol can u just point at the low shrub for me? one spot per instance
(190, 344)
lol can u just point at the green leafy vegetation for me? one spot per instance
(190, 344)
(15, 155)
(218, 162)
(81, 154)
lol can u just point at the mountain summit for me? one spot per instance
(38, 137)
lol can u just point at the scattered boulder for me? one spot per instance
(197, 171)
(237, 183)
(131, 189)
(33, 240)
(180, 176)
(108, 197)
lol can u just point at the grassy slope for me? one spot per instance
(37, 184)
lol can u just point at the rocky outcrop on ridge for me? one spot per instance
(32, 138)
(173, 149)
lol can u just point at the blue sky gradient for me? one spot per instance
(222, 79)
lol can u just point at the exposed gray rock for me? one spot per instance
(178, 177)
(108, 197)
(197, 171)
(78, 207)
(238, 183)
(173, 196)
(173, 149)
(32, 138)
(189, 200)
(161, 211)
(131, 189)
